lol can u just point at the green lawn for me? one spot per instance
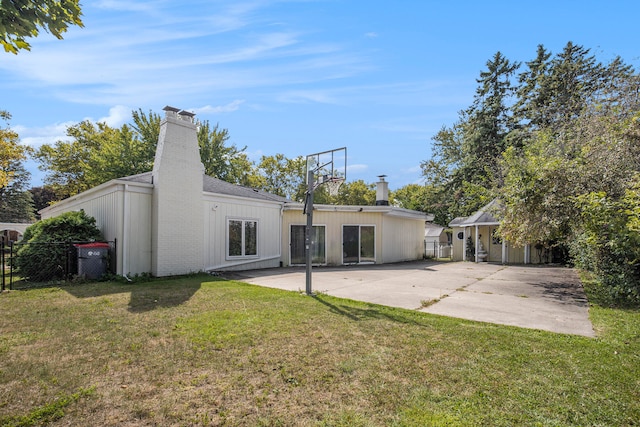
(203, 351)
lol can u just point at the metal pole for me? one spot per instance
(309, 231)
(11, 264)
(2, 263)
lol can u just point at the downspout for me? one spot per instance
(125, 234)
(280, 233)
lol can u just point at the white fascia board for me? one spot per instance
(100, 190)
(386, 210)
(215, 197)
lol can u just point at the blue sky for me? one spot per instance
(297, 77)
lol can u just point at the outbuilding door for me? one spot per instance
(358, 244)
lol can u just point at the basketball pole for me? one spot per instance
(308, 231)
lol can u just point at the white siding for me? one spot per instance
(515, 255)
(402, 239)
(218, 209)
(107, 206)
(136, 245)
(397, 238)
(333, 222)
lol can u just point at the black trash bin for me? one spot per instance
(92, 259)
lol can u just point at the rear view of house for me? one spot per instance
(177, 220)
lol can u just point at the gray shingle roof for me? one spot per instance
(217, 186)
(484, 215)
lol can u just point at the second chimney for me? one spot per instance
(382, 191)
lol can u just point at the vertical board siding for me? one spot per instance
(107, 208)
(397, 239)
(218, 210)
(403, 239)
(138, 224)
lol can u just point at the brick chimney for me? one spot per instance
(177, 217)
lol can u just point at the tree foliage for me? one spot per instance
(220, 159)
(21, 19)
(355, 193)
(16, 204)
(46, 244)
(561, 150)
(465, 157)
(282, 176)
(42, 197)
(96, 153)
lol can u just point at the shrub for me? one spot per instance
(609, 247)
(45, 244)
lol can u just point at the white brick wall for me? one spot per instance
(178, 218)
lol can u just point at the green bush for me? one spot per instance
(45, 244)
(609, 247)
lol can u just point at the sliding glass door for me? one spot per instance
(358, 244)
(298, 253)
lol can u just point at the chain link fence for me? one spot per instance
(34, 264)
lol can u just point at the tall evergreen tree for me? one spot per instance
(532, 93)
(465, 157)
(554, 91)
(489, 121)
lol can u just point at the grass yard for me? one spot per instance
(199, 351)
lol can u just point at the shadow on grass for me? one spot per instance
(145, 296)
(371, 311)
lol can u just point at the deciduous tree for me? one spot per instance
(96, 153)
(21, 19)
(282, 176)
(16, 204)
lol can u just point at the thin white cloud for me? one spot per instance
(36, 137)
(143, 59)
(228, 108)
(118, 116)
(357, 168)
(305, 96)
(126, 5)
(371, 35)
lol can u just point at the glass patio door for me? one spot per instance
(298, 255)
(358, 244)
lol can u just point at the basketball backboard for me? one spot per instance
(328, 165)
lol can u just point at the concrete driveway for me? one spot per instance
(537, 297)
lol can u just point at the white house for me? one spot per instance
(176, 220)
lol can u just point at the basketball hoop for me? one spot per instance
(327, 167)
(333, 185)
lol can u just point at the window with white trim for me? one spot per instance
(242, 238)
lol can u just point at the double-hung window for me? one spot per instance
(242, 238)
